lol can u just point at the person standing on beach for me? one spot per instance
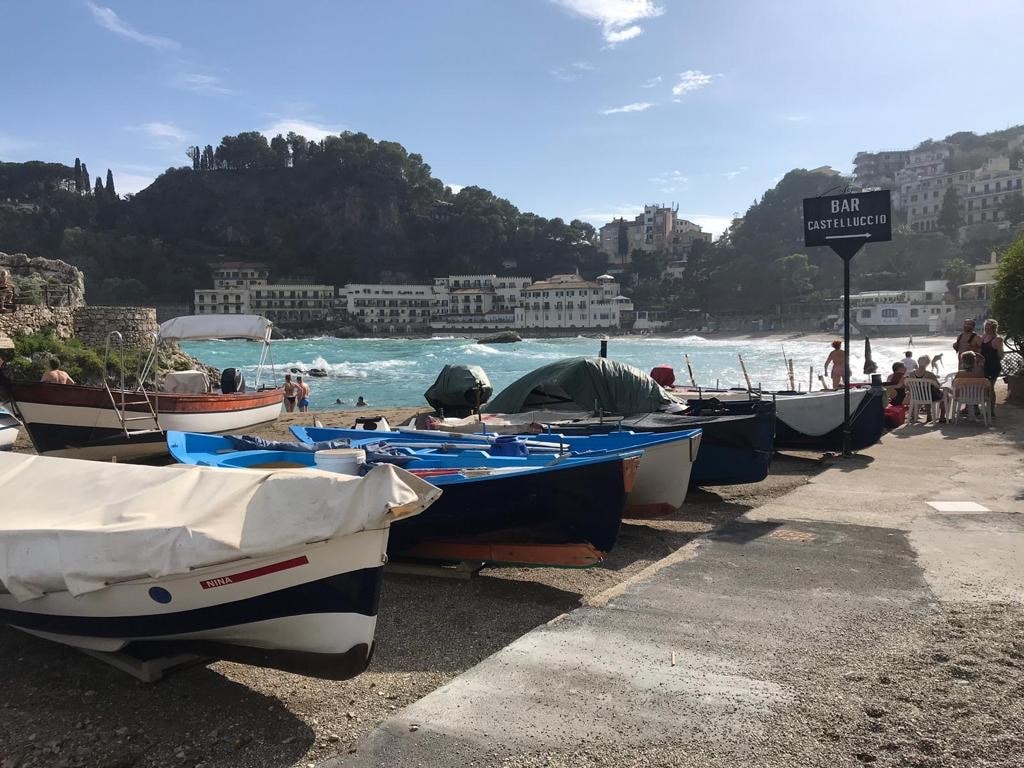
(909, 362)
(968, 341)
(837, 359)
(289, 393)
(992, 354)
(302, 390)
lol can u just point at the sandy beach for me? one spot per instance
(429, 630)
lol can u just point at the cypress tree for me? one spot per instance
(78, 176)
(85, 179)
(110, 186)
(98, 190)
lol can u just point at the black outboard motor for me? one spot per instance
(231, 381)
(372, 423)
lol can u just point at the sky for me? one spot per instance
(573, 108)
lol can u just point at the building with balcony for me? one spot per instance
(658, 228)
(568, 301)
(908, 311)
(242, 288)
(478, 301)
(394, 307)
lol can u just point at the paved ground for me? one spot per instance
(847, 623)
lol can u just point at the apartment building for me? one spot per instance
(658, 228)
(243, 288)
(982, 197)
(393, 307)
(568, 301)
(908, 311)
(478, 301)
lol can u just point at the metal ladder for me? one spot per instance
(122, 400)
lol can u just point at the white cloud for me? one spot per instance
(730, 175)
(584, 66)
(130, 183)
(573, 72)
(617, 18)
(637, 106)
(691, 80)
(109, 20)
(310, 130)
(166, 132)
(670, 181)
(614, 37)
(709, 222)
(600, 217)
(652, 82)
(202, 83)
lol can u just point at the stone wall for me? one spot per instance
(51, 272)
(92, 324)
(31, 318)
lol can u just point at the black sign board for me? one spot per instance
(846, 222)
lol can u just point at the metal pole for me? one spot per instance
(846, 363)
(604, 347)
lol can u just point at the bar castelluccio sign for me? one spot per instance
(846, 222)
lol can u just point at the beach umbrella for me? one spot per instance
(869, 364)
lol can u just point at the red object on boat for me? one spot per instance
(664, 375)
(895, 415)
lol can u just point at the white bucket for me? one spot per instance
(344, 461)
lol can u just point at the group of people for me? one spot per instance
(296, 393)
(979, 357)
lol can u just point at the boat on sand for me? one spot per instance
(115, 421)
(277, 569)
(541, 510)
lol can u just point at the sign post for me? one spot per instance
(845, 223)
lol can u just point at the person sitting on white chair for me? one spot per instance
(937, 395)
(971, 373)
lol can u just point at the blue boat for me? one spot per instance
(532, 510)
(661, 482)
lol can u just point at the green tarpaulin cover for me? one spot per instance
(591, 383)
(459, 389)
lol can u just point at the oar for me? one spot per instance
(745, 375)
(810, 378)
(689, 367)
(792, 377)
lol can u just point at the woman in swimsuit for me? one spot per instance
(992, 354)
(289, 393)
(837, 359)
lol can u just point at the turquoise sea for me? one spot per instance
(396, 372)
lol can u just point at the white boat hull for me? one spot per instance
(663, 478)
(309, 609)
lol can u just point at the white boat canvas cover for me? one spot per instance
(815, 413)
(198, 327)
(78, 525)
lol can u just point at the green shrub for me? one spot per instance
(1008, 295)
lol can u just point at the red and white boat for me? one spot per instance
(101, 423)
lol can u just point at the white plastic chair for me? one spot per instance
(968, 394)
(919, 395)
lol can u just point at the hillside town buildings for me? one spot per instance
(656, 229)
(920, 178)
(452, 303)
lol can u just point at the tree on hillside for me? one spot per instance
(85, 179)
(1012, 208)
(957, 272)
(246, 151)
(792, 277)
(111, 194)
(950, 218)
(194, 154)
(279, 146)
(1006, 295)
(297, 146)
(648, 265)
(98, 189)
(206, 159)
(78, 176)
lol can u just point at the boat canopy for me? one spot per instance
(196, 327)
(587, 383)
(136, 521)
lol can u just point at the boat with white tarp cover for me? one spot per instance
(114, 420)
(274, 568)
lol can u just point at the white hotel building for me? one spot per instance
(567, 301)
